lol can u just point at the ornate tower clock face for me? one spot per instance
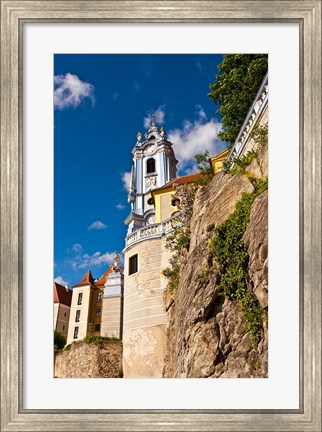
(151, 219)
(150, 149)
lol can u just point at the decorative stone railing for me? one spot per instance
(153, 230)
(250, 121)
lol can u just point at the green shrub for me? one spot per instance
(59, 340)
(172, 273)
(204, 167)
(230, 254)
(96, 340)
(260, 134)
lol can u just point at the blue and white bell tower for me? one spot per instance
(154, 165)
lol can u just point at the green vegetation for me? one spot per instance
(96, 340)
(239, 78)
(59, 340)
(238, 165)
(179, 239)
(231, 256)
(260, 134)
(204, 167)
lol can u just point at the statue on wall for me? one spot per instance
(116, 263)
(139, 138)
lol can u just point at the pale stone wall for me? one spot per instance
(84, 308)
(56, 309)
(89, 361)
(144, 314)
(112, 317)
(61, 318)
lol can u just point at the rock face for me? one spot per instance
(207, 334)
(256, 242)
(84, 360)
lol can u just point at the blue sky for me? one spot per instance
(101, 102)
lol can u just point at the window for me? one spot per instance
(76, 332)
(77, 315)
(99, 296)
(80, 298)
(175, 202)
(133, 264)
(65, 314)
(63, 327)
(150, 166)
(98, 312)
(97, 327)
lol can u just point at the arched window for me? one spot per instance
(150, 166)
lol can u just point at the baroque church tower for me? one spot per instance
(144, 323)
(154, 165)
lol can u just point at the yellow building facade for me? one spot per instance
(218, 160)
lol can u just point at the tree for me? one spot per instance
(59, 340)
(239, 78)
(204, 167)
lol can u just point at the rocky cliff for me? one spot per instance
(212, 331)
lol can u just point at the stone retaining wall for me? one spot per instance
(85, 360)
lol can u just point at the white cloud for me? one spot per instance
(81, 260)
(126, 179)
(200, 67)
(201, 113)
(97, 225)
(120, 206)
(194, 138)
(61, 281)
(95, 260)
(159, 117)
(115, 96)
(76, 248)
(69, 91)
(77, 258)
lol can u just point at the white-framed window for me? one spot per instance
(80, 298)
(150, 166)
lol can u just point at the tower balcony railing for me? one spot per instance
(152, 231)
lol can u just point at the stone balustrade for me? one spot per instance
(153, 230)
(251, 119)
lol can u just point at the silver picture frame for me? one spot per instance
(14, 15)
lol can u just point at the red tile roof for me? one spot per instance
(101, 281)
(87, 279)
(62, 295)
(179, 181)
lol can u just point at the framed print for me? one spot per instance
(50, 142)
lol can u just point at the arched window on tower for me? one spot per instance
(150, 166)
